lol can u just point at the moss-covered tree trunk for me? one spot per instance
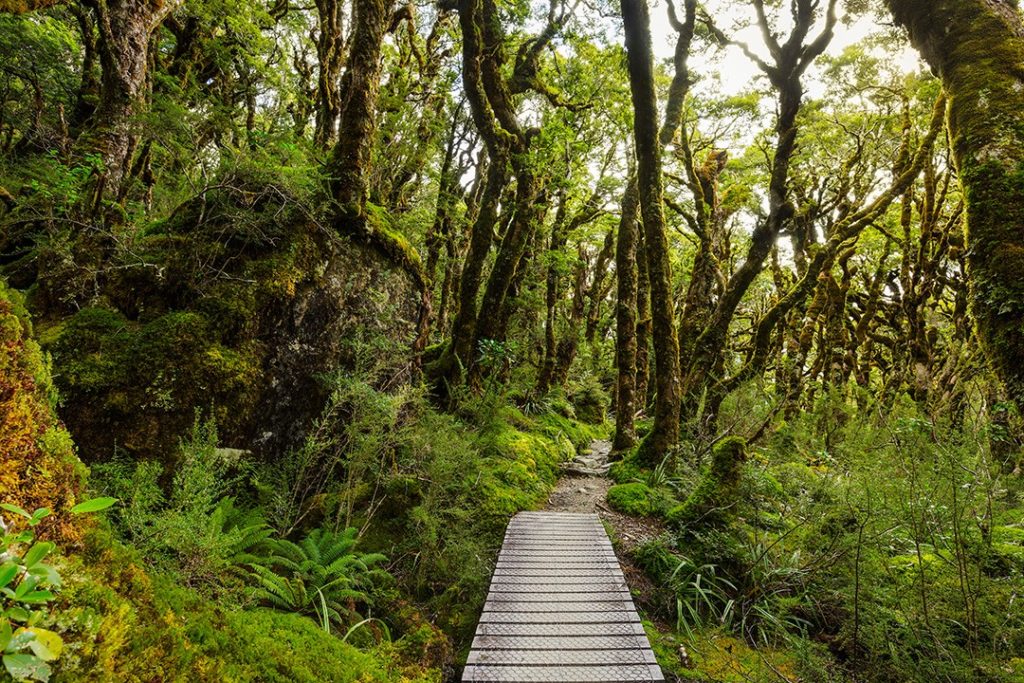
(330, 53)
(626, 319)
(357, 117)
(665, 432)
(124, 28)
(977, 48)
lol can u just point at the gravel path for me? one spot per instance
(583, 488)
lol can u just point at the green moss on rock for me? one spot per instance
(635, 499)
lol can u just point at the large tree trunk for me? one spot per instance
(357, 118)
(625, 320)
(977, 48)
(665, 432)
(124, 27)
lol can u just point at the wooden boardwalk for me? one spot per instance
(559, 608)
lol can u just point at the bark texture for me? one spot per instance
(357, 117)
(625, 320)
(124, 28)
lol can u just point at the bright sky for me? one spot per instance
(736, 70)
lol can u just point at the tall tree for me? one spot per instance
(357, 116)
(626, 306)
(664, 434)
(124, 28)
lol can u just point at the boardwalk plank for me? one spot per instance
(559, 609)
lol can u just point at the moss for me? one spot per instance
(520, 468)
(625, 470)
(38, 463)
(148, 378)
(795, 478)
(394, 245)
(977, 48)
(635, 499)
(716, 492)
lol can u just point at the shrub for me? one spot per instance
(717, 489)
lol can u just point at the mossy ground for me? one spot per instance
(122, 623)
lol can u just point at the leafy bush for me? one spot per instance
(196, 529)
(27, 586)
(590, 400)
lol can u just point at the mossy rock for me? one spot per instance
(795, 478)
(636, 499)
(40, 467)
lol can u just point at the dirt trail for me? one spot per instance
(583, 487)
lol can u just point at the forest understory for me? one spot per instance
(300, 304)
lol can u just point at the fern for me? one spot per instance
(320, 576)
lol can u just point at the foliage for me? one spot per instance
(39, 466)
(633, 499)
(716, 492)
(27, 586)
(195, 530)
(320, 575)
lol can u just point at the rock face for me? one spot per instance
(247, 314)
(359, 310)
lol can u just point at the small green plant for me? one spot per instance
(660, 477)
(319, 576)
(27, 586)
(632, 499)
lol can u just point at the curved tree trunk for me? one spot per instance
(977, 48)
(124, 28)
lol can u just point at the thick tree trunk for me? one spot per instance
(357, 119)
(124, 27)
(625, 320)
(665, 432)
(977, 48)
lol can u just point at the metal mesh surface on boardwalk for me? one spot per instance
(559, 608)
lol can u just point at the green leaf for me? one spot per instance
(19, 614)
(16, 510)
(31, 667)
(38, 516)
(93, 505)
(26, 585)
(46, 645)
(37, 553)
(20, 640)
(5, 634)
(8, 570)
(46, 574)
(36, 597)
